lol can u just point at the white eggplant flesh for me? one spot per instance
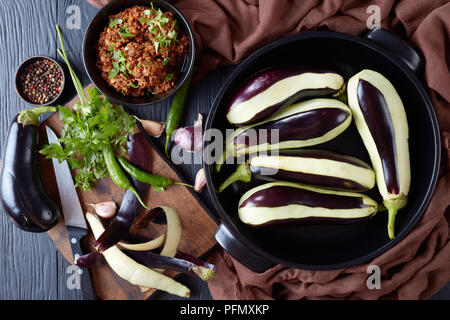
(381, 120)
(134, 272)
(319, 168)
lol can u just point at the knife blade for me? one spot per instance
(73, 215)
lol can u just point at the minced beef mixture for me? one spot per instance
(141, 51)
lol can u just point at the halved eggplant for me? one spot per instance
(273, 89)
(303, 124)
(381, 121)
(282, 203)
(313, 167)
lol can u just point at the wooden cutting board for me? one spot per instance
(198, 226)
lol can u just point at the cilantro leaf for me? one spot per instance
(119, 65)
(89, 126)
(165, 61)
(84, 136)
(172, 34)
(115, 22)
(113, 73)
(125, 32)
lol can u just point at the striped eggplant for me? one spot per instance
(313, 167)
(381, 121)
(303, 124)
(282, 203)
(273, 89)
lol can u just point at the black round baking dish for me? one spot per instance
(331, 246)
(92, 35)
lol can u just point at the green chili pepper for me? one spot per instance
(176, 111)
(158, 183)
(117, 175)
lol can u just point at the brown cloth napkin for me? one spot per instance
(226, 31)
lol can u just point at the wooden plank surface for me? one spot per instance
(27, 261)
(198, 227)
(30, 265)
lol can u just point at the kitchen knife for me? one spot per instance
(73, 216)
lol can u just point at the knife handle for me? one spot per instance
(75, 236)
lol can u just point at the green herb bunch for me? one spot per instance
(89, 127)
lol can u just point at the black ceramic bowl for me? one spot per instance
(329, 245)
(21, 70)
(92, 35)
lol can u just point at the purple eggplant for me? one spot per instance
(381, 120)
(282, 203)
(313, 167)
(22, 194)
(304, 124)
(120, 226)
(274, 89)
(181, 263)
(90, 260)
(204, 271)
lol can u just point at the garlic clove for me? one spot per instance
(191, 138)
(105, 209)
(200, 180)
(153, 128)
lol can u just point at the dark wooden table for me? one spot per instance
(30, 265)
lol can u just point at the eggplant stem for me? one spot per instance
(132, 189)
(242, 173)
(342, 94)
(166, 148)
(183, 184)
(222, 160)
(393, 205)
(203, 273)
(31, 117)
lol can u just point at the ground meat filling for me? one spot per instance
(141, 50)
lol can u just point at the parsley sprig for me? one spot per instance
(92, 124)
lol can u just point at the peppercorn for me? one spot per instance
(41, 81)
